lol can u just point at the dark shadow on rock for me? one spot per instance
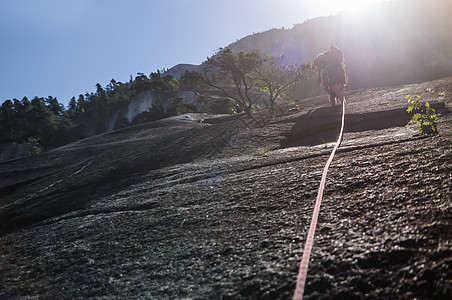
(314, 128)
(323, 125)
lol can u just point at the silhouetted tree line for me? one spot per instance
(47, 120)
(42, 118)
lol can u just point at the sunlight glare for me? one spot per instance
(348, 6)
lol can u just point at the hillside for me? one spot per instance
(177, 209)
(389, 44)
(392, 43)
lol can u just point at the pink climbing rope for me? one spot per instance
(303, 270)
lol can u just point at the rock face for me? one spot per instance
(13, 150)
(145, 101)
(178, 209)
(180, 69)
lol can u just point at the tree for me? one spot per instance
(100, 101)
(72, 108)
(81, 104)
(174, 84)
(54, 106)
(42, 120)
(157, 82)
(33, 143)
(6, 121)
(26, 104)
(163, 83)
(20, 123)
(60, 136)
(274, 78)
(190, 79)
(180, 107)
(226, 67)
(142, 83)
(221, 105)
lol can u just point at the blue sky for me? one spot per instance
(63, 48)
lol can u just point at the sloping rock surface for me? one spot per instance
(179, 209)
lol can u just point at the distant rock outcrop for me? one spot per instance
(145, 101)
(180, 69)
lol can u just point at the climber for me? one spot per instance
(331, 73)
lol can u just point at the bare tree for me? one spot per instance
(252, 71)
(226, 68)
(274, 78)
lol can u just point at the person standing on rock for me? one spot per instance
(331, 72)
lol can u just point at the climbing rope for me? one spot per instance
(303, 270)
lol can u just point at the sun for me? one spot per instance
(347, 6)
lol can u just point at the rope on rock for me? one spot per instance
(303, 270)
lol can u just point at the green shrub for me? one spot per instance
(180, 107)
(221, 105)
(156, 112)
(34, 146)
(263, 151)
(202, 104)
(425, 116)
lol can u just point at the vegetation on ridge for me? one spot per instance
(47, 120)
